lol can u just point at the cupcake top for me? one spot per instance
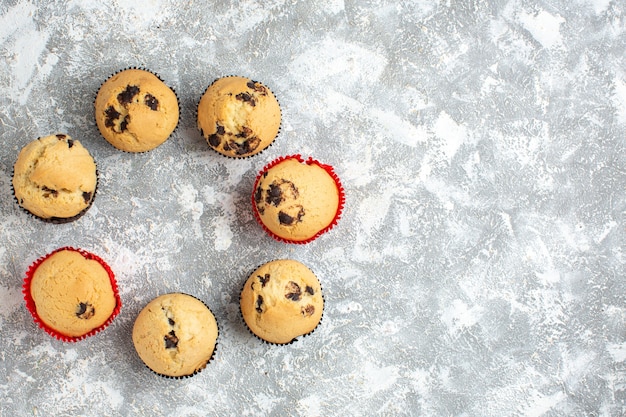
(54, 178)
(297, 201)
(71, 293)
(281, 301)
(175, 335)
(238, 117)
(136, 111)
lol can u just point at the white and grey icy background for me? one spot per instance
(479, 266)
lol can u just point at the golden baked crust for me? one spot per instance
(282, 300)
(175, 335)
(54, 177)
(295, 200)
(238, 117)
(72, 294)
(136, 111)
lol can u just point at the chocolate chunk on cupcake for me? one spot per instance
(295, 200)
(55, 178)
(175, 335)
(136, 111)
(238, 117)
(281, 301)
(71, 294)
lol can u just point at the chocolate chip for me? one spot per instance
(288, 220)
(86, 196)
(258, 87)
(126, 96)
(61, 136)
(244, 148)
(151, 101)
(259, 304)
(111, 116)
(307, 310)
(171, 322)
(124, 124)
(309, 290)
(250, 145)
(171, 341)
(246, 98)
(215, 140)
(243, 96)
(70, 143)
(258, 194)
(85, 310)
(276, 190)
(285, 219)
(245, 132)
(264, 279)
(293, 291)
(274, 195)
(49, 192)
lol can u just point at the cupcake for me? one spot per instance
(71, 294)
(281, 301)
(175, 335)
(238, 117)
(136, 111)
(297, 201)
(55, 178)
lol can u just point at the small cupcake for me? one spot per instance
(238, 117)
(136, 111)
(297, 201)
(175, 335)
(71, 294)
(55, 178)
(281, 301)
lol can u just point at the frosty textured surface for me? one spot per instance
(478, 269)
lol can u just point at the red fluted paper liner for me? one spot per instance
(32, 308)
(310, 161)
